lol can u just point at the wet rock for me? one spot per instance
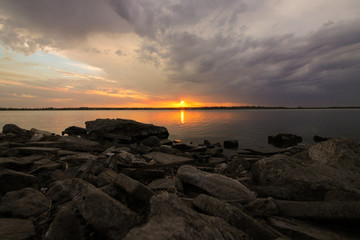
(334, 211)
(317, 138)
(171, 185)
(11, 180)
(231, 144)
(80, 144)
(338, 152)
(16, 229)
(151, 141)
(24, 203)
(215, 184)
(171, 219)
(73, 130)
(64, 226)
(235, 217)
(121, 127)
(163, 158)
(284, 140)
(134, 188)
(14, 163)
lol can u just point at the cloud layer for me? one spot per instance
(253, 52)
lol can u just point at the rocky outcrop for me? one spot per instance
(284, 140)
(122, 130)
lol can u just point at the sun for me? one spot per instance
(182, 103)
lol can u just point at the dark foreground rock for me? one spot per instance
(114, 183)
(284, 140)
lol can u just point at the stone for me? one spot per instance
(171, 219)
(11, 180)
(16, 229)
(15, 163)
(80, 144)
(231, 144)
(103, 213)
(171, 185)
(182, 146)
(64, 226)
(36, 150)
(337, 152)
(235, 217)
(262, 207)
(334, 210)
(127, 158)
(151, 141)
(24, 203)
(317, 139)
(284, 140)
(14, 129)
(73, 130)
(134, 188)
(164, 158)
(216, 185)
(136, 131)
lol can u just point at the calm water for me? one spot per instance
(249, 127)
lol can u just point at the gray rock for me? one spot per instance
(11, 180)
(16, 229)
(183, 146)
(151, 141)
(12, 128)
(64, 226)
(171, 185)
(15, 163)
(127, 128)
(80, 144)
(235, 217)
(171, 219)
(164, 158)
(217, 185)
(36, 150)
(134, 188)
(24, 203)
(284, 140)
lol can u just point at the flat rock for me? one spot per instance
(217, 185)
(164, 158)
(36, 150)
(24, 203)
(80, 144)
(170, 185)
(42, 144)
(16, 229)
(171, 219)
(11, 180)
(15, 163)
(136, 131)
(134, 188)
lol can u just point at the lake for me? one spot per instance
(249, 127)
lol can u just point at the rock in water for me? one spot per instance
(73, 130)
(171, 219)
(123, 130)
(217, 185)
(24, 203)
(284, 140)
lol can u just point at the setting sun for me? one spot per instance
(182, 102)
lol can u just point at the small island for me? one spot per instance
(121, 179)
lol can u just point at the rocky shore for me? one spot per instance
(121, 179)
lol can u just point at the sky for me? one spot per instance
(157, 53)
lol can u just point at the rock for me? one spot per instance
(215, 184)
(151, 141)
(262, 207)
(317, 138)
(134, 188)
(271, 191)
(73, 130)
(16, 229)
(301, 230)
(103, 213)
(338, 152)
(11, 180)
(36, 150)
(166, 142)
(80, 144)
(64, 226)
(235, 217)
(171, 185)
(130, 129)
(145, 174)
(12, 128)
(182, 146)
(24, 203)
(128, 158)
(164, 158)
(37, 134)
(14, 163)
(231, 144)
(171, 219)
(304, 180)
(334, 211)
(284, 140)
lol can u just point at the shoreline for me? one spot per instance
(121, 179)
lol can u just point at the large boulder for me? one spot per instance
(123, 130)
(284, 140)
(171, 219)
(80, 144)
(24, 203)
(216, 185)
(12, 180)
(14, 228)
(14, 129)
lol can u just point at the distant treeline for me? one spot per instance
(171, 108)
